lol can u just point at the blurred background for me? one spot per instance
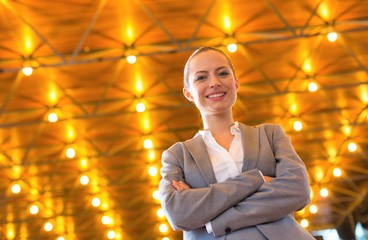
(91, 94)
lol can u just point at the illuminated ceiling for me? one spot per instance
(78, 50)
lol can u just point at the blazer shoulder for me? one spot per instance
(272, 130)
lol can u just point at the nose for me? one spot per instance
(215, 81)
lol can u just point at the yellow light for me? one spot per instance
(131, 59)
(232, 47)
(323, 192)
(352, 147)
(70, 152)
(151, 155)
(160, 213)
(70, 133)
(96, 202)
(106, 220)
(312, 86)
(52, 117)
(304, 223)
(165, 238)
(337, 172)
(155, 194)
(60, 238)
(227, 22)
(323, 10)
(84, 163)
(53, 96)
(10, 233)
(307, 66)
(313, 209)
(27, 71)
(34, 209)
(152, 171)
(140, 107)
(111, 234)
(332, 36)
(298, 125)
(48, 226)
(163, 228)
(138, 83)
(84, 180)
(148, 144)
(16, 188)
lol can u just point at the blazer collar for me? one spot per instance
(250, 140)
(198, 150)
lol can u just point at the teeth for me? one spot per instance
(216, 95)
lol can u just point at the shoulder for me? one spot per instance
(270, 129)
(183, 145)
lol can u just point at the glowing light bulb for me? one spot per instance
(148, 144)
(312, 87)
(313, 209)
(34, 209)
(332, 36)
(27, 71)
(352, 147)
(48, 227)
(298, 125)
(160, 213)
(155, 194)
(337, 172)
(152, 171)
(140, 107)
(232, 47)
(96, 202)
(106, 220)
(131, 59)
(111, 234)
(70, 152)
(84, 180)
(323, 192)
(163, 228)
(16, 188)
(52, 117)
(60, 238)
(304, 223)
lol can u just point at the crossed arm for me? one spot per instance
(237, 203)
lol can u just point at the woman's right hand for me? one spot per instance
(267, 178)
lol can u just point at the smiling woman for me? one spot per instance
(227, 179)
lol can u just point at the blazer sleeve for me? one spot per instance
(193, 208)
(289, 191)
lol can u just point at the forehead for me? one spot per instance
(208, 60)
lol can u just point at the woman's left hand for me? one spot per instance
(179, 185)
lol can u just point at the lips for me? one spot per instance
(216, 95)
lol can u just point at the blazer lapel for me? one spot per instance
(198, 150)
(250, 141)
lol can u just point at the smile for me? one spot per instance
(216, 95)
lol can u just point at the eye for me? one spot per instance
(200, 78)
(224, 73)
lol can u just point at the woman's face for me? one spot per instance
(212, 84)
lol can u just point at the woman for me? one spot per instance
(230, 181)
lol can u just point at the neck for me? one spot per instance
(218, 124)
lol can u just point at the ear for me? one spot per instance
(187, 94)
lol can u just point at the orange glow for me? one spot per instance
(138, 83)
(324, 11)
(28, 40)
(307, 66)
(70, 133)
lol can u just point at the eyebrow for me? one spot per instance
(217, 69)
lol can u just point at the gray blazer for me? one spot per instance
(244, 207)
